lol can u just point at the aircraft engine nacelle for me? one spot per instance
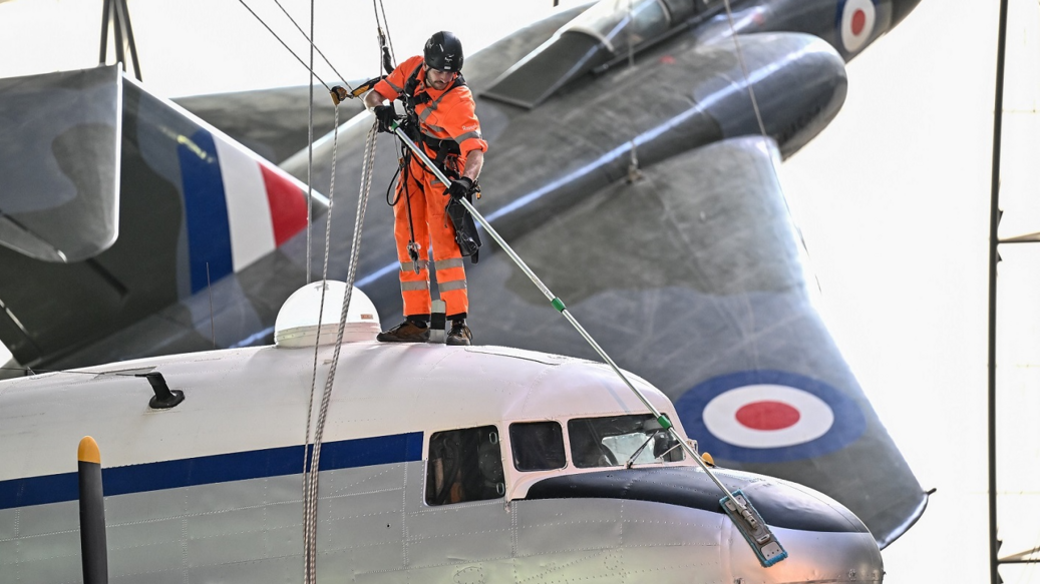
(700, 97)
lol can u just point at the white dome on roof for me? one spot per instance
(297, 323)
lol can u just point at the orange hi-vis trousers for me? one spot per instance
(420, 189)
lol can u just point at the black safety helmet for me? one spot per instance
(443, 52)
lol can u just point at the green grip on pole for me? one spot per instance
(558, 304)
(663, 421)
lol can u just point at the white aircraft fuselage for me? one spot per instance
(438, 464)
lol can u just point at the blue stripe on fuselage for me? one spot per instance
(205, 209)
(220, 468)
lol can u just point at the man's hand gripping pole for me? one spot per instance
(739, 508)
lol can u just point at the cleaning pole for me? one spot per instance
(744, 515)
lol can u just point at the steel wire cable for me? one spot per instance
(279, 39)
(309, 40)
(310, 147)
(743, 67)
(386, 23)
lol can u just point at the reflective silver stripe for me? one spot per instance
(415, 286)
(431, 107)
(408, 267)
(448, 263)
(453, 285)
(435, 129)
(434, 136)
(399, 90)
(468, 135)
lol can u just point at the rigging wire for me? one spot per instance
(310, 144)
(379, 28)
(308, 39)
(743, 67)
(279, 39)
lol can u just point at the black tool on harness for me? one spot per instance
(466, 235)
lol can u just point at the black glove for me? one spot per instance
(460, 187)
(386, 116)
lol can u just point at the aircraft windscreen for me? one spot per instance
(620, 24)
(620, 440)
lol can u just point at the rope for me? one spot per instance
(312, 476)
(309, 476)
(743, 67)
(243, 3)
(311, 470)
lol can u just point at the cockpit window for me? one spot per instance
(537, 446)
(606, 31)
(464, 465)
(619, 24)
(618, 440)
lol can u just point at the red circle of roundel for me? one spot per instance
(768, 415)
(856, 20)
(859, 19)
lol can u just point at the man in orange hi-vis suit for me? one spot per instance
(442, 114)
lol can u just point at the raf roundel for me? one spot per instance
(769, 416)
(856, 21)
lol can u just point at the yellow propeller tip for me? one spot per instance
(88, 450)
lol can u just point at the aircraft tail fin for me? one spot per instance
(121, 203)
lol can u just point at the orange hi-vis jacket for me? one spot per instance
(448, 115)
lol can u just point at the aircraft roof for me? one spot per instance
(245, 399)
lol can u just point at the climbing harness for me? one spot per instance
(744, 515)
(466, 236)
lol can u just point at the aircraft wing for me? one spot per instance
(271, 122)
(695, 278)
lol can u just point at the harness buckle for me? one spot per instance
(413, 252)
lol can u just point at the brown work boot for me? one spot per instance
(459, 334)
(406, 332)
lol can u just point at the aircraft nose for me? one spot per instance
(824, 541)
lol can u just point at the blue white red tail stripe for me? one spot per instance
(238, 207)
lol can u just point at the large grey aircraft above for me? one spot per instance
(628, 164)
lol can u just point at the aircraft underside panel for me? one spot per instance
(374, 527)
